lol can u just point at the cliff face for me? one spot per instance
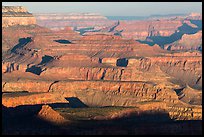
(188, 71)
(16, 15)
(100, 69)
(140, 30)
(192, 42)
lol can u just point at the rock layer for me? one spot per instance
(16, 15)
(20, 99)
(104, 65)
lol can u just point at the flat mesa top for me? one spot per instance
(15, 11)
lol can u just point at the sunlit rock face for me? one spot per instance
(16, 15)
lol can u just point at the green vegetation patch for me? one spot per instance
(88, 113)
(149, 101)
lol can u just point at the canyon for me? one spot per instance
(57, 62)
(162, 31)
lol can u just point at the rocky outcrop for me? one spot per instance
(29, 86)
(142, 64)
(50, 115)
(186, 71)
(190, 96)
(20, 99)
(185, 113)
(187, 42)
(140, 30)
(9, 67)
(16, 15)
(178, 112)
(84, 73)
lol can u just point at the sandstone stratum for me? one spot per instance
(16, 15)
(137, 68)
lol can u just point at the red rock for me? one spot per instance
(20, 99)
(50, 115)
(187, 42)
(86, 66)
(16, 15)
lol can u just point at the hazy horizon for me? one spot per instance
(112, 8)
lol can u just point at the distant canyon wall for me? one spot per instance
(57, 21)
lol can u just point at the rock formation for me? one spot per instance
(19, 99)
(191, 42)
(57, 21)
(16, 15)
(125, 63)
(50, 115)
